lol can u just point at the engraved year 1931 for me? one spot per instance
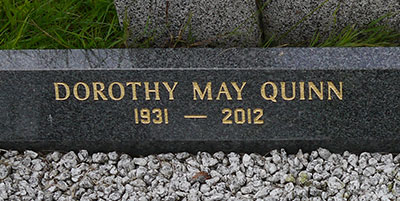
(148, 116)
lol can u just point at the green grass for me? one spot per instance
(49, 24)
(60, 24)
(373, 35)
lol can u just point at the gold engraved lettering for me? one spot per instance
(97, 92)
(239, 119)
(224, 90)
(148, 91)
(283, 90)
(158, 119)
(134, 84)
(275, 91)
(136, 116)
(257, 119)
(339, 93)
(121, 89)
(249, 116)
(240, 116)
(87, 91)
(148, 116)
(197, 90)
(195, 116)
(145, 116)
(57, 91)
(238, 90)
(170, 91)
(228, 114)
(166, 116)
(319, 93)
(302, 96)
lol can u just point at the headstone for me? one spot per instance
(191, 23)
(324, 16)
(169, 100)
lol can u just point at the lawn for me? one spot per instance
(51, 24)
(61, 24)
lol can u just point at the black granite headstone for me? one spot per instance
(168, 100)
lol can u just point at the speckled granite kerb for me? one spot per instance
(219, 23)
(325, 17)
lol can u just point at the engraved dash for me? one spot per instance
(195, 116)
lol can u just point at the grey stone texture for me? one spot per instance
(191, 22)
(280, 16)
(224, 23)
(167, 176)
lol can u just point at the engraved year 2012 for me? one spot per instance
(242, 116)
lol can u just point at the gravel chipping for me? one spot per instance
(319, 175)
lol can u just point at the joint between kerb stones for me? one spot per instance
(260, 19)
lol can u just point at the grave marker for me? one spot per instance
(169, 100)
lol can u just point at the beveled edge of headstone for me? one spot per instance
(251, 146)
(203, 58)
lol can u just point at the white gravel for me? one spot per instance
(319, 175)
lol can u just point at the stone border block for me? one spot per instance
(220, 23)
(334, 15)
